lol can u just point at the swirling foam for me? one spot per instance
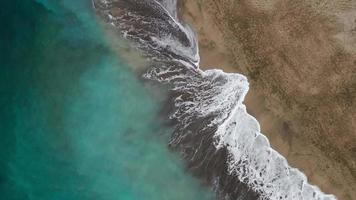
(154, 28)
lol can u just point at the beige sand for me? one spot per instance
(300, 58)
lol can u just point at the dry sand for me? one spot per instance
(300, 58)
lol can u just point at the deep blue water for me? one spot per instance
(75, 122)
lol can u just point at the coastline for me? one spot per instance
(329, 165)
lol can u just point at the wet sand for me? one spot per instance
(300, 58)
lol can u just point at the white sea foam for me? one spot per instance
(170, 6)
(251, 157)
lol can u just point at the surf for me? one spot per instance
(221, 143)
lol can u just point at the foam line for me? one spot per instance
(213, 97)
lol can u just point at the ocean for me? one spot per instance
(76, 122)
(80, 120)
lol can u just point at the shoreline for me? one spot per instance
(322, 167)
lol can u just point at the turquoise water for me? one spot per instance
(75, 122)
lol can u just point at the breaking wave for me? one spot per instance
(221, 143)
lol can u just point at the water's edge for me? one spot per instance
(220, 141)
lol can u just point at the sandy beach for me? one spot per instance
(300, 58)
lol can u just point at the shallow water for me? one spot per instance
(75, 122)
